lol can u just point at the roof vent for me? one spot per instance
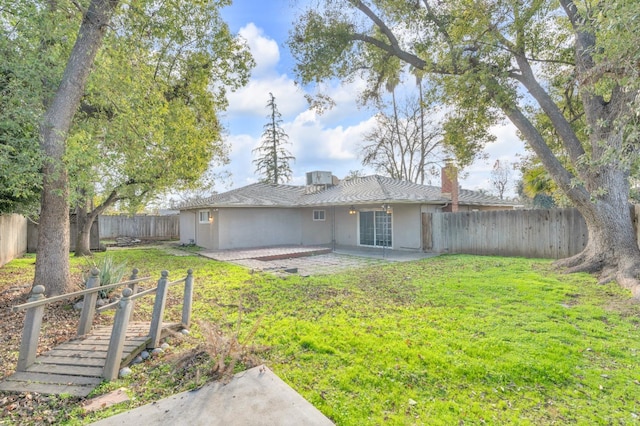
(319, 178)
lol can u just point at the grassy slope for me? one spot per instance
(439, 341)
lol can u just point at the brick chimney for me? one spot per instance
(449, 176)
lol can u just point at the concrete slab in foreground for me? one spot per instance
(254, 397)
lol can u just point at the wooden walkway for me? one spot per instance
(76, 367)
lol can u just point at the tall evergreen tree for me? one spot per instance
(273, 158)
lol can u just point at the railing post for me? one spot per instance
(134, 289)
(188, 299)
(155, 331)
(31, 330)
(89, 303)
(118, 335)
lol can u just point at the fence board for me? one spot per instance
(140, 226)
(556, 233)
(32, 236)
(13, 237)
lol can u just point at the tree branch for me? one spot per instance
(571, 142)
(391, 49)
(445, 34)
(79, 7)
(561, 176)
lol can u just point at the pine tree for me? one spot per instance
(273, 158)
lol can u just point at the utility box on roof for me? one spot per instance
(319, 178)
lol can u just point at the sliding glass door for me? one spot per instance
(375, 228)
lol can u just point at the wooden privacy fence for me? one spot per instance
(13, 237)
(555, 233)
(124, 310)
(140, 226)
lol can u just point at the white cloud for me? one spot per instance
(252, 99)
(315, 142)
(265, 50)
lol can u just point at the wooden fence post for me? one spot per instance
(31, 330)
(188, 299)
(89, 303)
(134, 289)
(155, 331)
(118, 336)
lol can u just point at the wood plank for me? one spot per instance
(60, 379)
(66, 369)
(46, 388)
(103, 343)
(130, 332)
(96, 348)
(85, 355)
(71, 360)
(80, 355)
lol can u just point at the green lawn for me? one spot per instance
(447, 340)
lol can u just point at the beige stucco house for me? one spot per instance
(372, 211)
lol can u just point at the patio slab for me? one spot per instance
(306, 261)
(256, 397)
(265, 253)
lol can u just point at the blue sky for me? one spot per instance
(327, 142)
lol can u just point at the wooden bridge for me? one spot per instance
(97, 353)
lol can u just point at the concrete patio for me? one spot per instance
(317, 260)
(255, 397)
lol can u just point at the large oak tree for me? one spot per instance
(148, 123)
(492, 59)
(117, 123)
(52, 261)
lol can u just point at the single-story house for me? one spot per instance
(372, 211)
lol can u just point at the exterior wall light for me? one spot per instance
(352, 210)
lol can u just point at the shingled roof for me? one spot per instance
(365, 190)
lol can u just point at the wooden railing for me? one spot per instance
(124, 312)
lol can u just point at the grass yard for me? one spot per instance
(446, 340)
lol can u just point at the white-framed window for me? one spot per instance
(204, 216)
(318, 215)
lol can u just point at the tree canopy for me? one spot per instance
(138, 115)
(149, 121)
(497, 59)
(33, 54)
(405, 143)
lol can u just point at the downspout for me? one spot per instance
(195, 227)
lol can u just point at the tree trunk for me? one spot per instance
(612, 249)
(52, 261)
(86, 214)
(84, 222)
